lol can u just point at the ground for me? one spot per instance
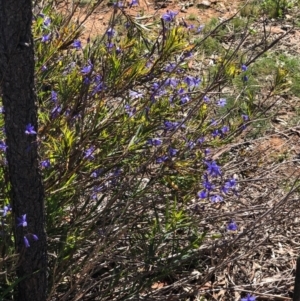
(193, 12)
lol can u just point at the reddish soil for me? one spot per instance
(192, 12)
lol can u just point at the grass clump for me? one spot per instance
(271, 8)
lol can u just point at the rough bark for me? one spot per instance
(19, 101)
(297, 282)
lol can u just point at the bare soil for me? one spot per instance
(198, 12)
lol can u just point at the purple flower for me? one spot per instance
(245, 78)
(35, 238)
(244, 67)
(155, 86)
(215, 133)
(3, 146)
(200, 140)
(134, 94)
(22, 221)
(191, 81)
(55, 112)
(206, 152)
(170, 125)
(206, 99)
(44, 68)
(149, 64)
(232, 226)
(98, 79)
(97, 172)
(225, 129)
(169, 16)
(45, 38)
(154, 141)
(119, 4)
(225, 188)
(94, 174)
(87, 69)
(45, 163)
(157, 94)
(6, 209)
(67, 112)
(158, 91)
(222, 102)
(213, 169)
(199, 29)
(54, 96)
(245, 117)
(231, 183)
(77, 44)
(110, 46)
(117, 172)
(162, 159)
(216, 198)
(172, 151)
(86, 81)
(26, 242)
(213, 122)
(191, 144)
(187, 54)
(118, 50)
(30, 130)
(172, 82)
(181, 91)
(110, 33)
(88, 154)
(47, 21)
(202, 194)
(133, 3)
(170, 67)
(184, 99)
(249, 298)
(98, 88)
(96, 191)
(129, 110)
(208, 185)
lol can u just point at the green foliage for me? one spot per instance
(272, 8)
(192, 17)
(277, 8)
(210, 46)
(251, 9)
(292, 74)
(239, 24)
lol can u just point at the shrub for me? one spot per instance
(130, 129)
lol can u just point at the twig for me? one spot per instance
(266, 296)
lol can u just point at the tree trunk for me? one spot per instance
(19, 101)
(297, 282)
